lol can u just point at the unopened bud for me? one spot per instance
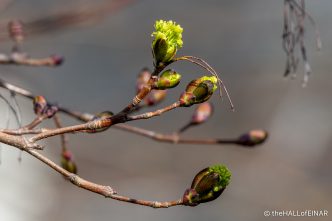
(15, 29)
(207, 185)
(142, 79)
(253, 138)
(57, 60)
(155, 97)
(67, 162)
(50, 111)
(167, 79)
(202, 113)
(199, 91)
(39, 105)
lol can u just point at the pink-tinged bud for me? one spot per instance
(15, 30)
(39, 105)
(202, 113)
(155, 97)
(57, 60)
(253, 138)
(67, 162)
(142, 78)
(67, 155)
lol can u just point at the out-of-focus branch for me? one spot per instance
(23, 60)
(79, 16)
(293, 37)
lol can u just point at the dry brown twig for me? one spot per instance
(197, 92)
(293, 37)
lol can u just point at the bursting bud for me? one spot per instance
(100, 116)
(253, 138)
(155, 97)
(15, 30)
(142, 79)
(202, 113)
(167, 40)
(67, 162)
(167, 79)
(207, 185)
(39, 105)
(199, 91)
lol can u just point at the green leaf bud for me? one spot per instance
(167, 39)
(199, 91)
(167, 79)
(207, 185)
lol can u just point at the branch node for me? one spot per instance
(156, 205)
(73, 178)
(109, 191)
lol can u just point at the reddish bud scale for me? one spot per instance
(50, 111)
(67, 155)
(57, 60)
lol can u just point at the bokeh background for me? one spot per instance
(242, 40)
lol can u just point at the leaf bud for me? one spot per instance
(253, 138)
(39, 105)
(142, 79)
(155, 97)
(198, 91)
(207, 185)
(202, 113)
(67, 162)
(167, 39)
(167, 79)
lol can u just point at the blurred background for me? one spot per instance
(242, 40)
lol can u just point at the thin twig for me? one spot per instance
(86, 117)
(154, 113)
(51, 61)
(103, 190)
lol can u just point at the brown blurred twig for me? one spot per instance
(82, 15)
(293, 37)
